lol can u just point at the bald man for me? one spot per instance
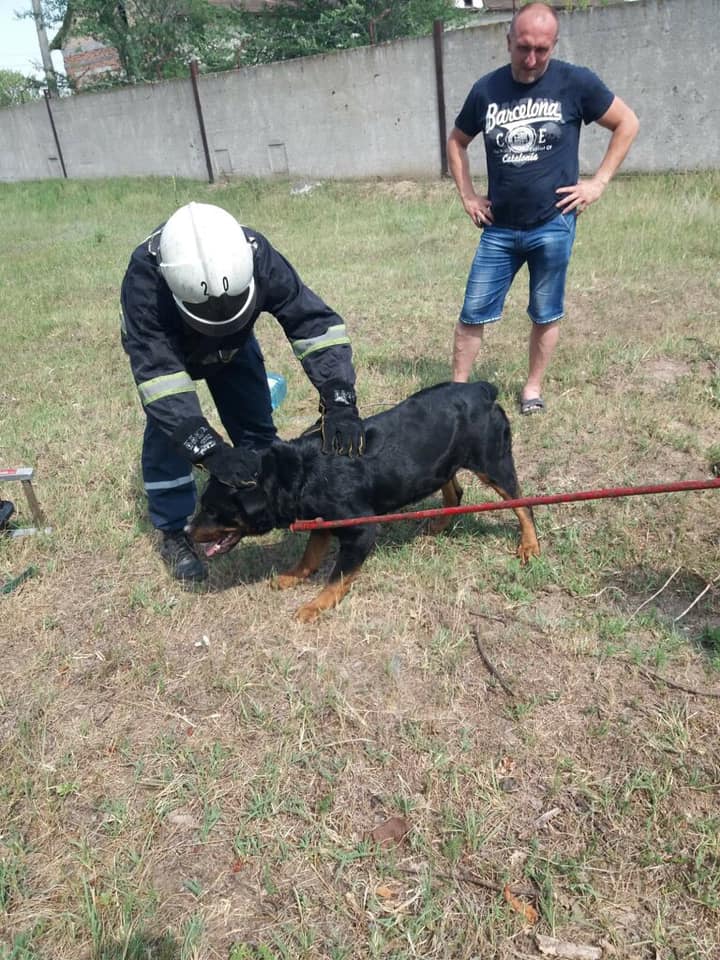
(529, 113)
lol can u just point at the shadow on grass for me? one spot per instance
(255, 559)
(428, 372)
(140, 946)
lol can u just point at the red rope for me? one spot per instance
(320, 524)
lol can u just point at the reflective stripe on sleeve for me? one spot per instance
(333, 337)
(165, 386)
(169, 484)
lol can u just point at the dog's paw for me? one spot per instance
(308, 613)
(526, 551)
(285, 581)
(436, 526)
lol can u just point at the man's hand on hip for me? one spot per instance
(479, 209)
(580, 195)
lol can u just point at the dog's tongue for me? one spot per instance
(223, 545)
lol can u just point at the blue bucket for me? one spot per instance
(278, 389)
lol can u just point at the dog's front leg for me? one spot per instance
(315, 550)
(355, 545)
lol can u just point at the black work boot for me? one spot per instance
(7, 509)
(179, 554)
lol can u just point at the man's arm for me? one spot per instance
(320, 342)
(624, 124)
(477, 208)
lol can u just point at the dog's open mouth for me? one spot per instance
(224, 545)
(215, 540)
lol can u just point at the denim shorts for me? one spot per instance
(500, 254)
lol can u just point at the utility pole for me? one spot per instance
(50, 77)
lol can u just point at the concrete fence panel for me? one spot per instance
(28, 150)
(147, 130)
(373, 111)
(364, 112)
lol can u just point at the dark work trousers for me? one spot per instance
(242, 397)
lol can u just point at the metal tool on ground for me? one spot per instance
(25, 476)
(319, 524)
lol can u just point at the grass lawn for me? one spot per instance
(193, 774)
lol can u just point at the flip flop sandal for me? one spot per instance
(532, 405)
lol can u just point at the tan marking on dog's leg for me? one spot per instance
(315, 550)
(328, 598)
(529, 545)
(452, 495)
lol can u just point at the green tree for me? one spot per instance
(17, 88)
(293, 29)
(155, 39)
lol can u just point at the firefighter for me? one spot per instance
(190, 298)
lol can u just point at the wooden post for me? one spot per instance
(440, 87)
(198, 107)
(55, 135)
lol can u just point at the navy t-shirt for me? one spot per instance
(532, 136)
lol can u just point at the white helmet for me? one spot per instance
(207, 262)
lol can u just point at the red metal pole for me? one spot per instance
(611, 492)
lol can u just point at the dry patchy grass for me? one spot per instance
(194, 774)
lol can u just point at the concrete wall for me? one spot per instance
(373, 111)
(150, 129)
(27, 146)
(366, 112)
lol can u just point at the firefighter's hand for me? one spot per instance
(340, 424)
(203, 446)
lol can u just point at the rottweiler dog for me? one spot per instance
(411, 450)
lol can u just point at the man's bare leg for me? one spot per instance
(543, 340)
(466, 346)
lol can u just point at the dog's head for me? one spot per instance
(226, 515)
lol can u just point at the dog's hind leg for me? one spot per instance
(528, 546)
(315, 550)
(355, 545)
(452, 495)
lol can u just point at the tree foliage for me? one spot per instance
(17, 88)
(156, 39)
(298, 29)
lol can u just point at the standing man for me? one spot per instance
(190, 298)
(529, 113)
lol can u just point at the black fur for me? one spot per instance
(412, 450)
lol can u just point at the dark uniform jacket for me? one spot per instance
(166, 355)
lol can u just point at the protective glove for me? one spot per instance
(203, 446)
(340, 424)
